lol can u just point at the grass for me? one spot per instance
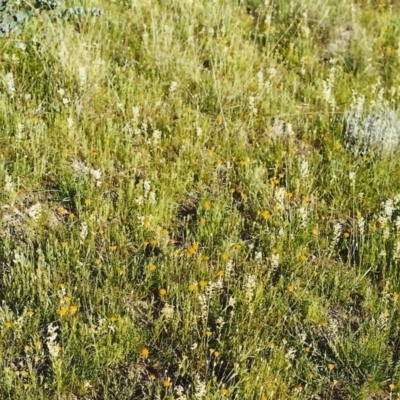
(183, 215)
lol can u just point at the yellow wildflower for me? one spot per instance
(166, 382)
(145, 352)
(62, 211)
(73, 309)
(224, 256)
(265, 214)
(207, 205)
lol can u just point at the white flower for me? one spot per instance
(200, 388)
(304, 172)
(82, 75)
(396, 251)
(303, 215)
(275, 260)
(327, 91)
(9, 186)
(35, 211)
(135, 112)
(214, 287)
(146, 186)
(230, 267)
(337, 228)
(152, 197)
(18, 258)
(250, 285)
(80, 166)
(180, 393)
(252, 107)
(388, 208)
(62, 291)
(52, 345)
(280, 194)
(260, 78)
(203, 304)
(194, 346)
(289, 129)
(272, 71)
(383, 320)
(361, 225)
(20, 45)
(220, 323)
(291, 353)
(156, 135)
(167, 311)
(9, 82)
(139, 200)
(96, 173)
(84, 230)
(174, 85)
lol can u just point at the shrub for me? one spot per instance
(377, 132)
(13, 13)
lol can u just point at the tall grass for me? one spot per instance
(200, 201)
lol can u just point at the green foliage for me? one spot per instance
(13, 13)
(198, 200)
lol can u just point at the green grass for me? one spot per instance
(182, 216)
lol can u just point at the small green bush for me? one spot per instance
(14, 13)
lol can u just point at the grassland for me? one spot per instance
(200, 200)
